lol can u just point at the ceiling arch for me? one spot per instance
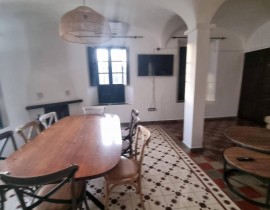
(243, 17)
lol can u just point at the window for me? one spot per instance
(112, 66)
(108, 69)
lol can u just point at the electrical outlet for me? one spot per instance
(152, 109)
(67, 92)
(40, 95)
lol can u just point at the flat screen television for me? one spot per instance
(155, 65)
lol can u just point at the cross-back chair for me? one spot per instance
(4, 139)
(96, 110)
(28, 130)
(48, 119)
(128, 170)
(128, 138)
(57, 191)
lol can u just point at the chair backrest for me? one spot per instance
(96, 110)
(134, 112)
(48, 119)
(28, 130)
(142, 138)
(133, 125)
(4, 139)
(21, 187)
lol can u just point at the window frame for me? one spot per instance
(93, 65)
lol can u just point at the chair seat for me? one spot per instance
(63, 193)
(125, 169)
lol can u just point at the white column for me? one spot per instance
(195, 86)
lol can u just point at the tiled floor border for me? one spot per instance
(201, 175)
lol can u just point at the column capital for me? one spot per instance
(200, 26)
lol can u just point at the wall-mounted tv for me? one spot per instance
(155, 65)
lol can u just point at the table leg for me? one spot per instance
(95, 200)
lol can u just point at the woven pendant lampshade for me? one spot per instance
(84, 25)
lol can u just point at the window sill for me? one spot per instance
(109, 104)
(180, 101)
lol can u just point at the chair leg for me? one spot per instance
(142, 203)
(139, 191)
(107, 193)
(86, 204)
(130, 150)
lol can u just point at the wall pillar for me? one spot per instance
(197, 64)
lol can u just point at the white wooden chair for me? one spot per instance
(96, 110)
(48, 119)
(28, 130)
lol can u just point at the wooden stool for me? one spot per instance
(247, 162)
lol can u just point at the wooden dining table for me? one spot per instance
(254, 138)
(91, 141)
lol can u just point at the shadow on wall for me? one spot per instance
(42, 57)
(3, 115)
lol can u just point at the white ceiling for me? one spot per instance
(239, 16)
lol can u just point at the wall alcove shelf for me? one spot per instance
(53, 104)
(61, 108)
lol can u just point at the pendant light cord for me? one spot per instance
(153, 103)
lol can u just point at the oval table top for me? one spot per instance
(255, 138)
(91, 141)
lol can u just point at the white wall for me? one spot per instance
(228, 78)
(34, 59)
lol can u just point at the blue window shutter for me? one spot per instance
(92, 66)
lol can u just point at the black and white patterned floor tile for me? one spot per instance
(170, 180)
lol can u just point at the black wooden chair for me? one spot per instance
(128, 138)
(4, 139)
(3, 190)
(125, 130)
(57, 191)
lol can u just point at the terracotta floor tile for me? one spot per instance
(251, 193)
(220, 183)
(246, 206)
(205, 166)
